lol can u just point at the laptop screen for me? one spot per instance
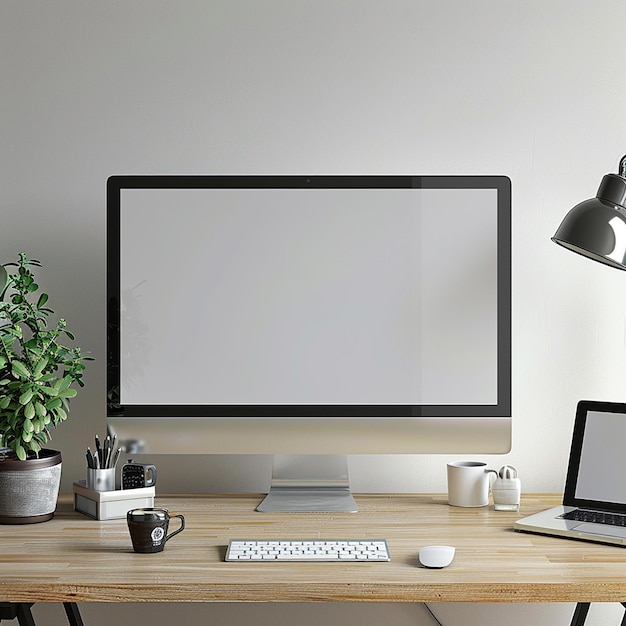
(597, 461)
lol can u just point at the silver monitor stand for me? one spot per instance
(309, 483)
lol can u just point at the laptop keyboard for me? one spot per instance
(595, 517)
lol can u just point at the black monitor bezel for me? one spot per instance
(583, 409)
(501, 184)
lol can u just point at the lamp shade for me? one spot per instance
(596, 228)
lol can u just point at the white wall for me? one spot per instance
(532, 89)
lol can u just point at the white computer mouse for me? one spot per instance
(436, 556)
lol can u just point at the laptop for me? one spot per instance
(594, 501)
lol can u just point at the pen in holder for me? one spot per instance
(101, 465)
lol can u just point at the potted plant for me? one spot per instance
(37, 371)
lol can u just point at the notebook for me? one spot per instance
(594, 500)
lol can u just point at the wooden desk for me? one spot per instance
(75, 559)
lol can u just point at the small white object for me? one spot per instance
(507, 490)
(436, 556)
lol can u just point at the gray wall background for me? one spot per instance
(531, 89)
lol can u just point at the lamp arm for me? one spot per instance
(622, 166)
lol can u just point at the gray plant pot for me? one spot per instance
(29, 489)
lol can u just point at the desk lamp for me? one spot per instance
(596, 228)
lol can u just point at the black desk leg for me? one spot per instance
(23, 614)
(17, 610)
(73, 614)
(580, 614)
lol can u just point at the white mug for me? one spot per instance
(468, 483)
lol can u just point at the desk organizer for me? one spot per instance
(103, 505)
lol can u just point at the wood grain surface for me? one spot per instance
(74, 558)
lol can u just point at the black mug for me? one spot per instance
(148, 528)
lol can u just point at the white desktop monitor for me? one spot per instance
(306, 316)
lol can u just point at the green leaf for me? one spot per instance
(39, 368)
(19, 370)
(53, 403)
(26, 397)
(40, 409)
(68, 393)
(21, 453)
(43, 298)
(16, 331)
(29, 411)
(4, 280)
(5, 401)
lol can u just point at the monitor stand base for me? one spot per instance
(313, 483)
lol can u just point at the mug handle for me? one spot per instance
(182, 526)
(492, 479)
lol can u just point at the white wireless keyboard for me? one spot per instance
(307, 550)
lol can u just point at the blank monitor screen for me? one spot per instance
(308, 296)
